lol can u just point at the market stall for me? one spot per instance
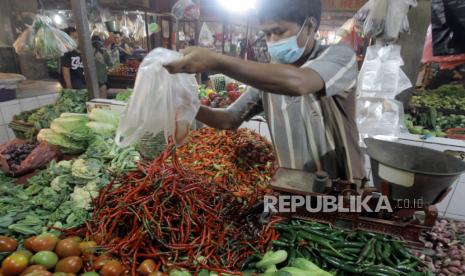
(133, 186)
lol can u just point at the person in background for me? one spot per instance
(102, 62)
(72, 68)
(121, 47)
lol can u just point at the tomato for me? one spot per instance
(63, 274)
(7, 244)
(68, 247)
(45, 258)
(75, 238)
(28, 243)
(158, 273)
(90, 273)
(69, 265)
(33, 268)
(44, 242)
(146, 267)
(234, 95)
(205, 102)
(88, 247)
(26, 253)
(14, 264)
(112, 268)
(101, 261)
(39, 273)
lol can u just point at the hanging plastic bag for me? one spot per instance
(379, 117)
(206, 37)
(397, 19)
(24, 44)
(44, 40)
(376, 19)
(380, 74)
(139, 28)
(186, 9)
(161, 102)
(100, 30)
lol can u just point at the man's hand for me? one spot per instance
(195, 60)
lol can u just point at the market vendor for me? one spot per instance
(123, 49)
(307, 93)
(72, 68)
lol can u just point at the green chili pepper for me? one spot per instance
(366, 250)
(348, 245)
(401, 250)
(331, 253)
(337, 263)
(319, 240)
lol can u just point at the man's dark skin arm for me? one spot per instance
(219, 118)
(283, 79)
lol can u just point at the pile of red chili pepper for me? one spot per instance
(240, 160)
(170, 213)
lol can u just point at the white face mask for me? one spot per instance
(287, 51)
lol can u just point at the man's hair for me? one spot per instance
(69, 30)
(289, 10)
(118, 33)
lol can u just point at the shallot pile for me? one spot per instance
(446, 248)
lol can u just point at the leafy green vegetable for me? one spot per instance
(66, 145)
(105, 116)
(69, 101)
(87, 169)
(124, 96)
(102, 129)
(72, 127)
(447, 97)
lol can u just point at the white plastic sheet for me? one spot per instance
(161, 102)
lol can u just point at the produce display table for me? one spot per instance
(121, 82)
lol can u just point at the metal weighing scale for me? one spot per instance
(400, 172)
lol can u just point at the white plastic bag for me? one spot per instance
(186, 9)
(139, 29)
(379, 117)
(381, 75)
(206, 37)
(161, 101)
(376, 19)
(44, 40)
(396, 18)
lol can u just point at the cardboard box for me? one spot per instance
(113, 105)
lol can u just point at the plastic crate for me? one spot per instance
(23, 131)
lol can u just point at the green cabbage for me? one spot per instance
(77, 115)
(65, 144)
(105, 116)
(103, 129)
(72, 127)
